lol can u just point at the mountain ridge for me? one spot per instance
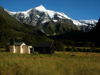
(40, 15)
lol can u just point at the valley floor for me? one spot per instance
(60, 63)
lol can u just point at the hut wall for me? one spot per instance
(17, 49)
(11, 49)
(25, 49)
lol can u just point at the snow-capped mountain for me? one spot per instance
(90, 24)
(88, 21)
(40, 15)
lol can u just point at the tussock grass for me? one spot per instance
(60, 63)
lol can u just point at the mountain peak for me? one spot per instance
(40, 8)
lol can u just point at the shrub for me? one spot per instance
(81, 50)
(59, 46)
(71, 49)
(68, 49)
(76, 50)
(84, 50)
(36, 53)
(97, 50)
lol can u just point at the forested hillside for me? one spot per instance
(93, 35)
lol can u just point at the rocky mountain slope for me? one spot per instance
(40, 16)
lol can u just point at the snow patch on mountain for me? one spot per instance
(42, 31)
(41, 8)
(44, 21)
(55, 20)
(63, 16)
(55, 33)
(88, 21)
(51, 13)
(79, 23)
(9, 12)
(26, 13)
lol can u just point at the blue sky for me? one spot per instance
(75, 9)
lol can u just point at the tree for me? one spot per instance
(59, 46)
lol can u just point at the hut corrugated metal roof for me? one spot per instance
(16, 43)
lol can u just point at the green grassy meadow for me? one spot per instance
(60, 63)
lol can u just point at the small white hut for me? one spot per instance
(19, 47)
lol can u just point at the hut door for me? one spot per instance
(31, 50)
